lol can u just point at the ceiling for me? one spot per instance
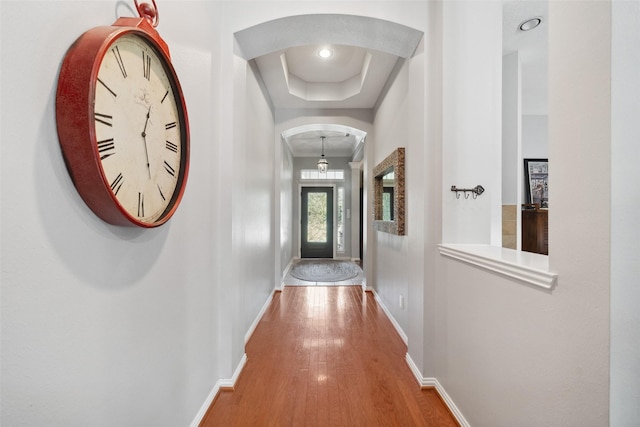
(336, 144)
(352, 77)
(298, 78)
(285, 52)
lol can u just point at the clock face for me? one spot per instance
(139, 128)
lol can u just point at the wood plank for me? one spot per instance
(326, 356)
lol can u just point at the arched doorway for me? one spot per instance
(338, 235)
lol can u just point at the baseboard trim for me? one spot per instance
(221, 384)
(231, 383)
(254, 325)
(205, 406)
(429, 382)
(365, 287)
(286, 271)
(391, 318)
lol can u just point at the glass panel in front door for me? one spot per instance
(317, 218)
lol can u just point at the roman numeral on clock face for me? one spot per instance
(104, 119)
(170, 125)
(169, 169)
(116, 53)
(146, 65)
(106, 148)
(116, 184)
(172, 147)
(140, 205)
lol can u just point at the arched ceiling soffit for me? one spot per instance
(365, 52)
(349, 30)
(340, 140)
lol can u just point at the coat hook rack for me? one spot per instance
(475, 191)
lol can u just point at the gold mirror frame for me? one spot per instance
(395, 162)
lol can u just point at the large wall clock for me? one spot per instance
(122, 122)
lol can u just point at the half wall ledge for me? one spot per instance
(530, 268)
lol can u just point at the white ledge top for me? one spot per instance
(527, 267)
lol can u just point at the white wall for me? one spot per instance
(286, 209)
(472, 133)
(245, 171)
(625, 204)
(435, 190)
(101, 325)
(398, 270)
(534, 136)
(511, 126)
(542, 355)
(579, 117)
(253, 200)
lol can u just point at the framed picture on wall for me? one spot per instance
(536, 178)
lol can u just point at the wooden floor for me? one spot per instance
(326, 356)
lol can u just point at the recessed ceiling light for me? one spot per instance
(325, 53)
(530, 24)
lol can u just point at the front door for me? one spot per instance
(316, 222)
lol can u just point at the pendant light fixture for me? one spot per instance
(323, 164)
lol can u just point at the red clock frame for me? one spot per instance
(76, 126)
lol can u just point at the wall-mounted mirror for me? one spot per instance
(388, 194)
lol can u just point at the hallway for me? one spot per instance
(326, 356)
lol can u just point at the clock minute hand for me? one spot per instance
(144, 137)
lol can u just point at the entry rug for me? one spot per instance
(324, 270)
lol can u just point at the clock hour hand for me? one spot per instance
(144, 137)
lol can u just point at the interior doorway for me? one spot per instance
(316, 222)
